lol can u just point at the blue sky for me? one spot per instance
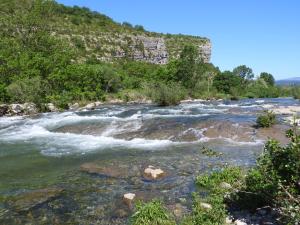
(263, 34)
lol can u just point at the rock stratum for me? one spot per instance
(95, 35)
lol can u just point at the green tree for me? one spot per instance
(225, 82)
(187, 64)
(243, 72)
(268, 78)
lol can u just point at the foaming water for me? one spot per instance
(121, 126)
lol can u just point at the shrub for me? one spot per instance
(275, 180)
(165, 94)
(151, 213)
(267, 119)
(26, 90)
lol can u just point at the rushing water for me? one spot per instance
(47, 150)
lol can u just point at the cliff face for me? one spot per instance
(157, 49)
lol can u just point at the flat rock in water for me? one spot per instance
(29, 200)
(153, 173)
(111, 170)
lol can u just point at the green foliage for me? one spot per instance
(215, 196)
(151, 213)
(244, 72)
(267, 119)
(209, 152)
(164, 94)
(226, 81)
(26, 90)
(268, 78)
(186, 65)
(275, 179)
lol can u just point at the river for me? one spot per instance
(46, 154)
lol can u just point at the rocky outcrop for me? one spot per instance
(18, 109)
(153, 48)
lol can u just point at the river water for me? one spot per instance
(48, 151)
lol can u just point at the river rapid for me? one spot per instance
(41, 157)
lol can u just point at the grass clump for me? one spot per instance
(210, 153)
(267, 119)
(151, 213)
(216, 196)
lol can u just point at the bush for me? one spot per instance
(26, 90)
(267, 119)
(165, 94)
(275, 180)
(151, 213)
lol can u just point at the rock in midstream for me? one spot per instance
(32, 199)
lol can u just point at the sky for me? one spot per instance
(262, 34)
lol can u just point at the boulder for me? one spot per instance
(90, 106)
(16, 109)
(30, 108)
(75, 106)
(3, 110)
(29, 200)
(128, 199)
(153, 173)
(239, 222)
(51, 107)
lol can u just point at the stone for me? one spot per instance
(75, 106)
(51, 107)
(228, 220)
(225, 185)
(16, 109)
(205, 205)
(29, 200)
(30, 108)
(90, 106)
(153, 173)
(4, 110)
(239, 222)
(128, 199)
(178, 210)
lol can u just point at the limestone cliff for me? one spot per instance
(97, 35)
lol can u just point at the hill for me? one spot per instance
(95, 35)
(289, 81)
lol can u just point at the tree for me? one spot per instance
(268, 78)
(244, 72)
(225, 82)
(186, 66)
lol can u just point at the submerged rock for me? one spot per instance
(111, 170)
(29, 200)
(153, 173)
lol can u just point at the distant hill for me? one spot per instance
(289, 81)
